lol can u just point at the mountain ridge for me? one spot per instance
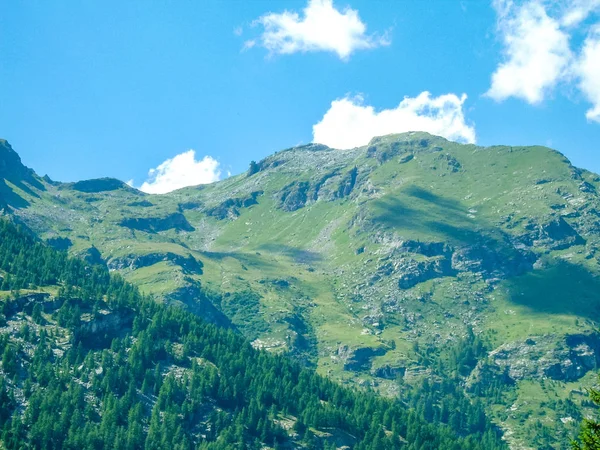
(370, 263)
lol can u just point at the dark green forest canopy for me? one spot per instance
(163, 378)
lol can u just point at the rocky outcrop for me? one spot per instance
(176, 221)
(92, 255)
(26, 303)
(98, 330)
(192, 297)
(566, 359)
(12, 169)
(449, 162)
(404, 146)
(230, 208)
(185, 206)
(188, 263)
(358, 359)
(492, 262)
(388, 372)
(553, 234)
(316, 189)
(419, 261)
(426, 248)
(294, 196)
(413, 272)
(347, 184)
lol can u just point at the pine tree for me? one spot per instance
(589, 435)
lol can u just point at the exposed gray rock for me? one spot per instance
(360, 358)
(414, 272)
(426, 248)
(449, 161)
(388, 372)
(554, 234)
(347, 183)
(230, 208)
(294, 196)
(547, 356)
(491, 262)
(93, 256)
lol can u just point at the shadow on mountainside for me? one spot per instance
(298, 255)
(563, 288)
(417, 210)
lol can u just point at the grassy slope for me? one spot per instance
(493, 193)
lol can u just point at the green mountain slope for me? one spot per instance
(372, 264)
(98, 366)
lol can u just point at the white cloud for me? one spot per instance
(540, 51)
(536, 50)
(578, 11)
(588, 71)
(349, 123)
(322, 27)
(181, 171)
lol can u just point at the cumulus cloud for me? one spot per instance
(539, 50)
(181, 171)
(321, 27)
(588, 70)
(536, 52)
(350, 123)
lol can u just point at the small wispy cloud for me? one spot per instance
(350, 123)
(181, 171)
(321, 27)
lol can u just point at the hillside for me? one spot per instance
(95, 365)
(372, 265)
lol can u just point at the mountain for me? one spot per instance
(89, 363)
(380, 266)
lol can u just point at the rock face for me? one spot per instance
(541, 357)
(230, 208)
(388, 372)
(175, 221)
(13, 170)
(360, 358)
(554, 234)
(492, 263)
(192, 296)
(11, 167)
(93, 256)
(294, 196)
(347, 183)
(439, 259)
(415, 272)
(99, 330)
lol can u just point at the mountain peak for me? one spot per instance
(11, 166)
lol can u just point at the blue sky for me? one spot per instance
(91, 89)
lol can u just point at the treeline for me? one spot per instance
(167, 380)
